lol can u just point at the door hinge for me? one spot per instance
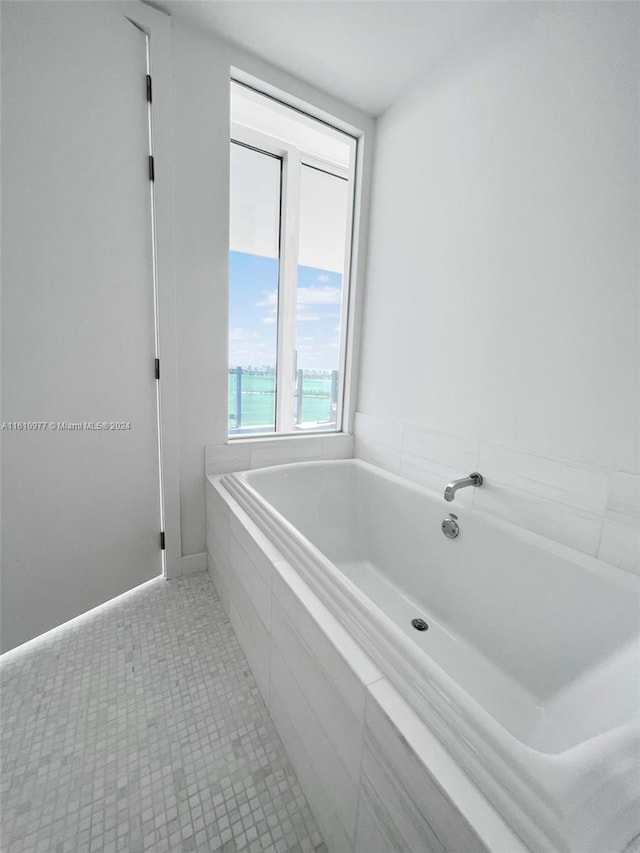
(162, 544)
(149, 95)
(152, 174)
(157, 368)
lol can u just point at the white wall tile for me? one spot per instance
(340, 789)
(388, 819)
(421, 788)
(217, 494)
(218, 578)
(581, 487)
(259, 453)
(435, 476)
(334, 649)
(402, 787)
(575, 528)
(338, 446)
(252, 581)
(331, 826)
(252, 635)
(340, 724)
(422, 455)
(456, 452)
(218, 520)
(378, 454)
(219, 541)
(215, 549)
(241, 573)
(223, 458)
(283, 450)
(624, 496)
(620, 543)
(561, 500)
(384, 431)
(260, 550)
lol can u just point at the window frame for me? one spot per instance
(293, 158)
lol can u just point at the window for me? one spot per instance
(292, 195)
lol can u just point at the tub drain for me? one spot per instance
(419, 624)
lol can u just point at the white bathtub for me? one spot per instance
(528, 672)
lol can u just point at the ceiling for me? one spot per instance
(365, 53)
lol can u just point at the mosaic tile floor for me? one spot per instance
(142, 729)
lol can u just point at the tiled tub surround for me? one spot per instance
(591, 509)
(244, 454)
(526, 674)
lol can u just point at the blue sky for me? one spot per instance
(253, 295)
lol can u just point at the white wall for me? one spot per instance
(502, 295)
(201, 145)
(201, 74)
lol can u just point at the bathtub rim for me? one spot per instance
(534, 792)
(495, 834)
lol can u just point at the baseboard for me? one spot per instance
(193, 563)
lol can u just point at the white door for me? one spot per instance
(80, 507)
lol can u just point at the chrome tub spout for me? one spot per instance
(474, 479)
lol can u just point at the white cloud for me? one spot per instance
(306, 297)
(269, 298)
(241, 335)
(270, 301)
(319, 296)
(323, 277)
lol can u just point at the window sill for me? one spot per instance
(285, 436)
(245, 452)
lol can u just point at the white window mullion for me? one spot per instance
(287, 292)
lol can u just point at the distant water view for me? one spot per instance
(253, 307)
(256, 399)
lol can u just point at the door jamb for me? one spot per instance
(157, 25)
